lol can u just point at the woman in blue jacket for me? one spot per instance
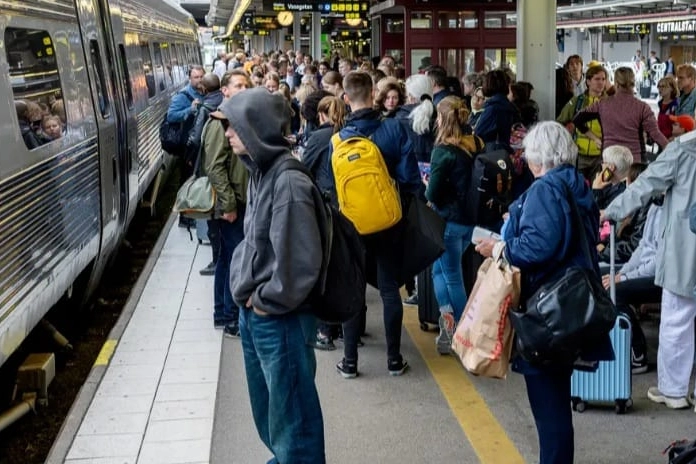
(539, 239)
(495, 123)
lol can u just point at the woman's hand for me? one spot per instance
(606, 279)
(485, 247)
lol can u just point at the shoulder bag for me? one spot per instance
(196, 198)
(570, 311)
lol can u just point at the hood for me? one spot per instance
(260, 118)
(570, 176)
(365, 121)
(213, 99)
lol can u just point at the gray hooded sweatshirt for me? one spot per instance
(279, 261)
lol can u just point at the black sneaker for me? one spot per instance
(397, 367)
(209, 269)
(324, 342)
(347, 369)
(639, 363)
(231, 330)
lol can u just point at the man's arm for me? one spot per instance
(218, 151)
(181, 107)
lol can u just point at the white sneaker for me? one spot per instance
(670, 401)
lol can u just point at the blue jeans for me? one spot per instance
(548, 391)
(448, 281)
(280, 370)
(231, 234)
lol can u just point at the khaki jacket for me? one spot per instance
(228, 175)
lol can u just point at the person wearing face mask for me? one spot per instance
(589, 157)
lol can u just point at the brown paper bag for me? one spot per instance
(483, 339)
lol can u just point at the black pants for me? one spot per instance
(635, 292)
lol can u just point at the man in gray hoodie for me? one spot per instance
(273, 271)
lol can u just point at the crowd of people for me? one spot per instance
(248, 114)
(40, 122)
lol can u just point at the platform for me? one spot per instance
(168, 388)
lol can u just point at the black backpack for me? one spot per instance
(339, 294)
(174, 135)
(491, 187)
(682, 452)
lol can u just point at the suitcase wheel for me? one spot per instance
(622, 405)
(424, 326)
(578, 404)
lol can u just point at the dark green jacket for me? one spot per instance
(228, 175)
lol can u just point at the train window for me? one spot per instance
(147, 69)
(35, 84)
(493, 58)
(167, 68)
(158, 66)
(127, 84)
(100, 83)
(421, 20)
(457, 61)
(420, 58)
(499, 19)
(457, 20)
(394, 25)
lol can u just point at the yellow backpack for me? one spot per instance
(367, 195)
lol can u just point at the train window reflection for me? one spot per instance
(35, 84)
(421, 20)
(147, 69)
(167, 64)
(457, 20)
(100, 83)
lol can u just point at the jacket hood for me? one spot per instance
(365, 121)
(260, 118)
(568, 175)
(213, 99)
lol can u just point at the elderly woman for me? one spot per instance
(539, 238)
(624, 118)
(609, 183)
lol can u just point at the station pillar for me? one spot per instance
(537, 52)
(297, 31)
(315, 37)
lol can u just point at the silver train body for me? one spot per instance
(65, 205)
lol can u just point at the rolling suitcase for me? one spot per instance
(611, 382)
(428, 308)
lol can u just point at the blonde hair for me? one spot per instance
(453, 114)
(624, 78)
(335, 111)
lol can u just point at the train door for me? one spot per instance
(126, 115)
(107, 106)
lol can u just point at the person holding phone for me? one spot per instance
(609, 182)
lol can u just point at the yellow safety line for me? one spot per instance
(488, 438)
(106, 352)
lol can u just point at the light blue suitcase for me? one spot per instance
(611, 382)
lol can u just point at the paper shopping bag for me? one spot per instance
(483, 338)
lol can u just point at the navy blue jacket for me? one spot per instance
(422, 144)
(540, 237)
(496, 120)
(393, 142)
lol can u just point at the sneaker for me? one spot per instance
(412, 300)
(231, 330)
(397, 367)
(219, 325)
(670, 401)
(639, 364)
(348, 370)
(324, 342)
(443, 341)
(209, 269)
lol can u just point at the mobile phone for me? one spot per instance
(607, 174)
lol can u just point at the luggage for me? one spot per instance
(611, 382)
(428, 308)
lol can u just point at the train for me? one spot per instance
(108, 70)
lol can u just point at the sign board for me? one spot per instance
(251, 22)
(339, 8)
(641, 28)
(676, 27)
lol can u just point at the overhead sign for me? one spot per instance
(676, 27)
(641, 28)
(251, 22)
(340, 8)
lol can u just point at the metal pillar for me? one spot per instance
(315, 37)
(537, 52)
(296, 30)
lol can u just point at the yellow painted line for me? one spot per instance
(487, 437)
(106, 352)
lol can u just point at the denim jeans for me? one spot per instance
(387, 281)
(448, 281)
(231, 235)
(548, 391)
(280, 370)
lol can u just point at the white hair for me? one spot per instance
(417, 86)
(549, 144)
(621, 157)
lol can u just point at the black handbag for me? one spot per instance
(570, 311)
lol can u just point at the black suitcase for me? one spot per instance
(428, 308)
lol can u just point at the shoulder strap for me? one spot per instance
(578, 225)
(578, 103)
(188, 95)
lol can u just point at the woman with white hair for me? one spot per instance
(539, 237)
(418, 115)
(624, 118)
(609, 182)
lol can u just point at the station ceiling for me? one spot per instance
(570, 14)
